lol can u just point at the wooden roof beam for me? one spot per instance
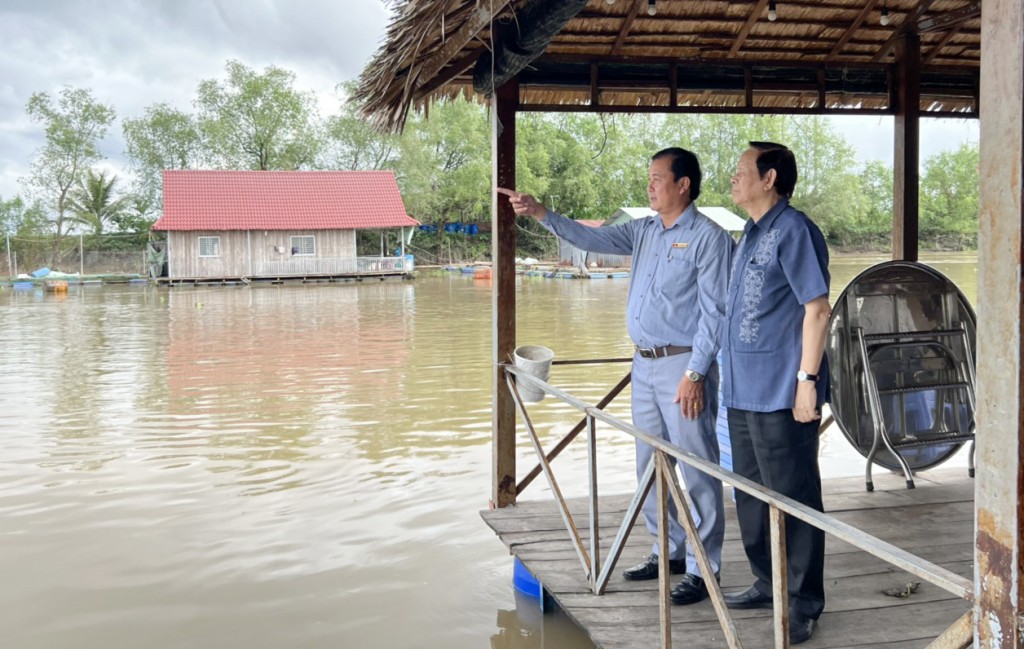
(478, 18)
(848, 34)
(457, 67)
(627, 24)
(755, 14)
(941, 44)
(949, 19)
(911, 19)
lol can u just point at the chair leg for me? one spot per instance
(970, 460)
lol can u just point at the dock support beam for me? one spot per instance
(1000, 482)
(503, 295)
(906, 154)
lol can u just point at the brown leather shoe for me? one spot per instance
(649, 569)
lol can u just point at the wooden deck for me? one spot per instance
(934, 521)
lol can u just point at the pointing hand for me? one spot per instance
(524, 203)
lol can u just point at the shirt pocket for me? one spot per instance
(678, 272)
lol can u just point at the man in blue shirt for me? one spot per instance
(775, 376)
(680, 264)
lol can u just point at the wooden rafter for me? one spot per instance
(848, 34)
(479, 18)
(949, 19)
(457, 67)
(941, 44)
(911, 19)
(627, 24)
(747, 26)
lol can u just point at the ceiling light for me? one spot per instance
(651, 8)
(885, 16)
(772, 14)
(611, 2)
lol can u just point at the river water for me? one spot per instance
(290, 466)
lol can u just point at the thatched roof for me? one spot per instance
(611, 55)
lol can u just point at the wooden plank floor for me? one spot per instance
(934, 521)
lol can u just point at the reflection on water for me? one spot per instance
(291, 466)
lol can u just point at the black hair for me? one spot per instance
(684, 165)
(781, 159)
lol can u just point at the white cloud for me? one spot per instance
(135, 54)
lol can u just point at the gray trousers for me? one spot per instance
(655, 382)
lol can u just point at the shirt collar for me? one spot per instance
(769, 217)
(685, 219)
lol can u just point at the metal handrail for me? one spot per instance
(779, 505)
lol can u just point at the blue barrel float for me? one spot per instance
(525, 582)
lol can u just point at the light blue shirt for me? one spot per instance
(678, 281)
(781, 265)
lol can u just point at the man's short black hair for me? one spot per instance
(684, 164)
(781, 159)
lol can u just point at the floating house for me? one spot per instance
(277, 225)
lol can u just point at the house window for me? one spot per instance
(304, 245)
(209, 246)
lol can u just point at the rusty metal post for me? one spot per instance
(1000, 482)
(503, 295)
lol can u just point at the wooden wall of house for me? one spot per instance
(237, 245)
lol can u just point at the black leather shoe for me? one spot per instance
(750, 598)
(800, 629)
(690, 590)
(649, 568)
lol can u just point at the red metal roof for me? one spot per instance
(281, 200)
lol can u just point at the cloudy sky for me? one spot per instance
(135, 53)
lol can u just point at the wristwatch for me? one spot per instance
(696, 377)
(804, 376)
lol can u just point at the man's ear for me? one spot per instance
(684, 185)
(769, 179)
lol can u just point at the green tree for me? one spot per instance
(350, 143)
(163, 138)
(258, 121)
(93, 203)
(73, 127)
(949, 198)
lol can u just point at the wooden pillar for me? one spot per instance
(1000, 482)
(503, 296)
(907, 140)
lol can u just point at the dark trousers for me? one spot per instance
(775, 450)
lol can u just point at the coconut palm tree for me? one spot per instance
(93, 204)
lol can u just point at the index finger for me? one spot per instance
(508, 192)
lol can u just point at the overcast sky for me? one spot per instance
(135, 53)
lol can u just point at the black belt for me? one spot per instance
(661, 352)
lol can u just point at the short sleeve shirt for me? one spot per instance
(781, 264)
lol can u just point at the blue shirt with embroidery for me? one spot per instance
(780, 265)
(678, 280)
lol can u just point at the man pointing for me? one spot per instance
(677, 290)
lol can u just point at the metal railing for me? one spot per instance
(661, 474)
(334, 266)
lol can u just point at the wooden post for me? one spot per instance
(780, 577)
(907, 139)
(503, 295)
(1000, 409)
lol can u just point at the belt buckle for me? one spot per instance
(646, 353)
